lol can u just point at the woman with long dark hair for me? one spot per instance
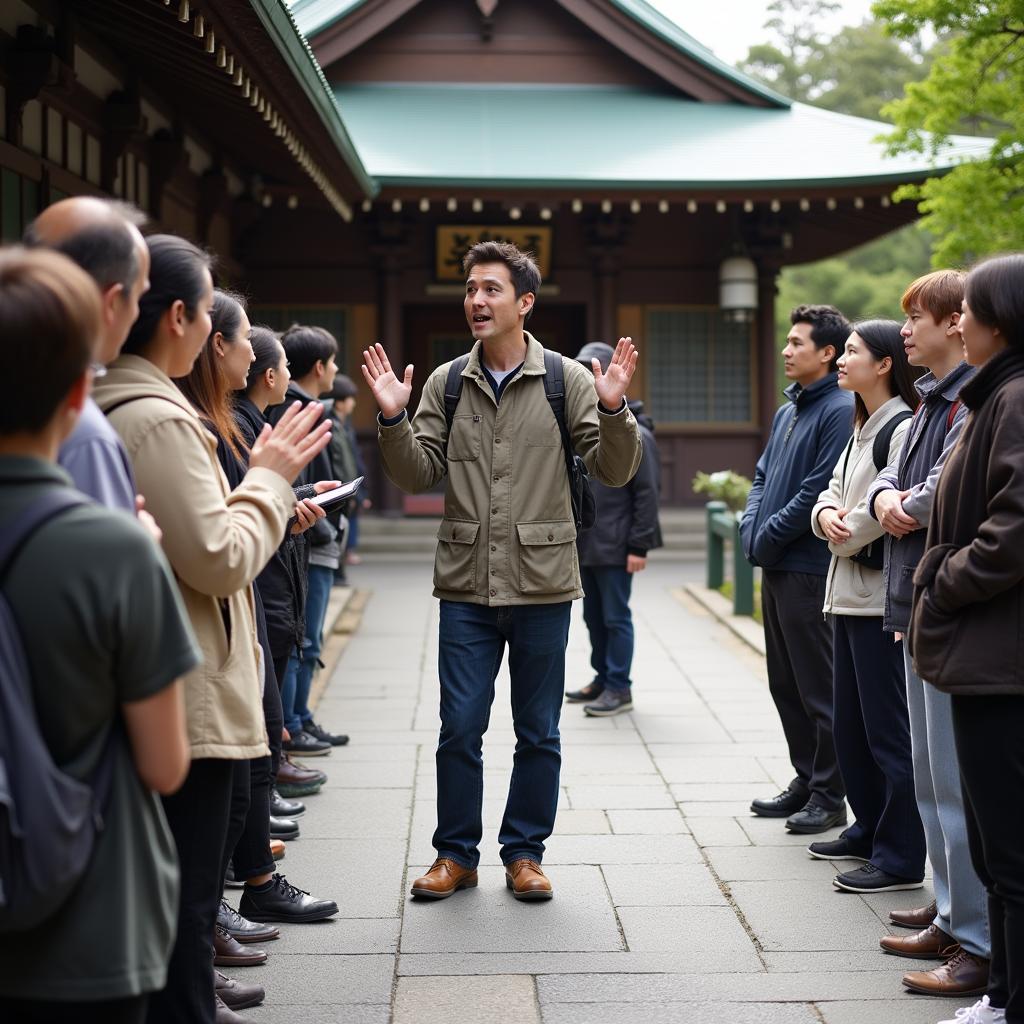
(967, 626)
(870, 723)
(217, 540)
(214, 387)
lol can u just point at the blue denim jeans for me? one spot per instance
(610, 624)
(298, 679)
(472, 643)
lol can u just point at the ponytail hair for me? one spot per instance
(884, 338)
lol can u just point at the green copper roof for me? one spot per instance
(313, 16)
(279, 24)
(562, 137)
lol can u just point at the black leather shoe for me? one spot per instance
(814, 819)
(786, 803)
(305, 745)
(281, 901)
(588, 693)
(241, 929)
(318, 732)
(839, 849)
(283, 828)
(281, 808)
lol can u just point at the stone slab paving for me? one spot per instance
(672, 902)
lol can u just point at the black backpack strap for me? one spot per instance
(880, 447)
(554, 391)
(453, 392)
(40, 511)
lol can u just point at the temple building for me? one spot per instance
(341, 155)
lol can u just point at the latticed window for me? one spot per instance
(698, 367)
(332, 318)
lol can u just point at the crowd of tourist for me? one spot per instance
(895, 506)
(220, 425)
(887, 514)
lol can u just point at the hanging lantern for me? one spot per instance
(737, 288)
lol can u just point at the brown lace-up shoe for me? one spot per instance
(963, 974)
(444, 878)
(527, 881)
(916, 919)
(931, 944)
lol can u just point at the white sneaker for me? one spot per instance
(982, 1012)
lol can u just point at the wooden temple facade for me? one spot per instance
(340, 155)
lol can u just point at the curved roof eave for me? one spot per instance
(282, 27)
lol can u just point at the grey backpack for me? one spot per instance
(48, 820)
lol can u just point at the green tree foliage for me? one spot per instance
(978, 208)
(859, 71)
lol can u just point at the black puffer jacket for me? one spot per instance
(627, 517)
(282, 584)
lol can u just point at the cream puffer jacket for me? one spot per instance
(852, 588)
(217, 541)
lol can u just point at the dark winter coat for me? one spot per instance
(627, 517)
(807, 438)
(967, 624)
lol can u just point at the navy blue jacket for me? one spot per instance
(807, 438)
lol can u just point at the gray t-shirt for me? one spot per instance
(102, 624)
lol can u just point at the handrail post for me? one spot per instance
(716, 547)
(743, 576)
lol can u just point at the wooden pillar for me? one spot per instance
(768, 396)
(605, 300)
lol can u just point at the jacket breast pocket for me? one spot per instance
(547, 557)
(464, 439)
(455, 560)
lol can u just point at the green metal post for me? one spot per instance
(716, 546)
(743, 577)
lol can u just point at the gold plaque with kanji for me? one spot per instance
(454, 241)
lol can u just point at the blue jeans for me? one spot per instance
(298, 679)
(472, 644)
(610, 623)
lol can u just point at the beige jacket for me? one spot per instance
(508, 536)
(216, 540)
(851, 588)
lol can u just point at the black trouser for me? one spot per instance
(989, 734)
(872, 734)
(131, 1010)
(248, 839)
(198, 816)
(798, 644)
(273, 718)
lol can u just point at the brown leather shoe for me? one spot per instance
(527, 881)
(963, 974)
(444, 878)
(931, 944)
(916, 919)
(229, 952)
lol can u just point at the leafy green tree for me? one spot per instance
(978, 207)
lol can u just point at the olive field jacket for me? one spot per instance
(507, 537)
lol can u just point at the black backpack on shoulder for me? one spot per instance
(48, 820)
(584, 508)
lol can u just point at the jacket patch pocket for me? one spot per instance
(547, 557)
(455, 560)
(464, 439)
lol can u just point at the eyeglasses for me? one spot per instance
(97, 370)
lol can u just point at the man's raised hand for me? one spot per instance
(391, 393)
(611, 385)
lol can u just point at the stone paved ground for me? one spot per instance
(672, 902)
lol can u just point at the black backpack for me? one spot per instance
(48, 820)
(584, 509)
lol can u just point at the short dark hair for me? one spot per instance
(305, 346)
(885, 338)
(828, 327)
(50, 322)
(522, 267)
(106, 252)
(175, 272)
(995, 293)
